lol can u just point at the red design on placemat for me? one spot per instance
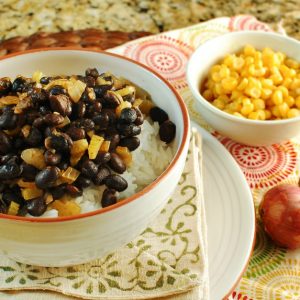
(163, 54)
(247, 23)
(263, 166)
(239, 296)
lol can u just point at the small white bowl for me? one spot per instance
(250, 132)
(77, 239)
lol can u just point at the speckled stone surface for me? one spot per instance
(25, 17)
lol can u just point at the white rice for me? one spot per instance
(149, 160)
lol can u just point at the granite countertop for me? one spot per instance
(26, 17)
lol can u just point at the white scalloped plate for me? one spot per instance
(230, 216)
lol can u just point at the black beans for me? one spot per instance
(117, 164)
(102, 158)
(58, 191)
(100, 90)
(35, 138)
(101, 176)
(5, 86)
(167, 131)
(52, 159)
(131, 143)
(10, 171)
(89, 169)
(116, 182)
(36, 207)
(38, 96)
(5, 143)
(13, 194)
(111, 99)
(91, 72)
(3, 207)
(8, 120)
(114, 139)
(73, 190)
(47, 177)
(109, 197)
(128, 130)
(128, 116)
(158, 115)
(82, 182)
(61, 104)
(19, 84)
(59, 143)
(87, 124)
(57, 90)
(28, 172)
(53, 119)
(45, 80)
(140, 118)
(102, 120)
(76, 133)
(79, 110)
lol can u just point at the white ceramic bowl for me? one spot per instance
(251, 132)
(73, 240)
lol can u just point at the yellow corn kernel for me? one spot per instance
(249, 61)
(277, 78)
(243, 84)
(277, 97)
(269, 102)
(297, 102)
(287, 82)
(224, 98)
(249, 50)
(267, 83)
(246, 101)
(285, 71)
(295, 84)
(229, 83)
(253, 115)
(284, 90)
(216, 76)
(219, 104)
(290, 101)
(235, 106)
(215, 69)
(259, 104)
(224, 71)
(268, 114)
(208, 95)
(237, 114)
(238, 63)
(266, 93)
(218, 89)
(281, 56)
(275, 111)
(228, 60)
(283, 109)
(253, 92)
(291, 63)
(235, 95)
(293, 112)
(247, 109)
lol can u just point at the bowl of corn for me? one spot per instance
(247, 86)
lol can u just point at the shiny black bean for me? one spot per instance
(13, 194)
(73, 190)
(79, 110)
(22, 211)
(6, 158)
(45, 80)
(131, 143)
(100, 90)
(57, 90)
(44, 109)
(102, 158)
(58, 191)
(5, 143)
(53, 119)
(47, 177)
(36, 207)
(35, 137)
(18, 143)
(31, 116)
(52, 159)
(92, 72)
(61, 104)
(102, 120)
(114, 141)
(8, 120)
(158, 115)
(28, 172)
(128, 130)
(87, 124)
(111, 115)
(63, 165)
(19, 85)
(82, 182)
(116, 182)
(5, 86)
(3, 207)
(111, 100)
(128, 116)
(140, 118)
(167, 131)
(2, 187)
(39, 122)
(57, 142)
(89, 169)
(101, 176)
(117, 164)
(90, 81)
(10, 171)
(76, 133)
(109, 197)
(38, 96)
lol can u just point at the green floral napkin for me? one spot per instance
(168, 258)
